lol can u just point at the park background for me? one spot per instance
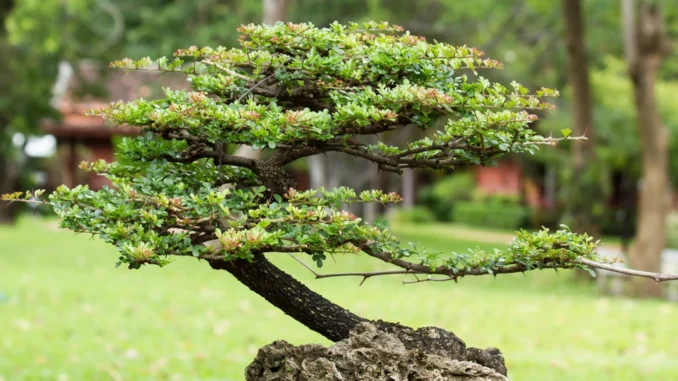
(67, 314)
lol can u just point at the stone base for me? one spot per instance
(367, 355)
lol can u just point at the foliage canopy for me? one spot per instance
(294, 90)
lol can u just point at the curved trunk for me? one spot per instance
(292, 297)
(335, 322)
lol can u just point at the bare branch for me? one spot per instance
(304, 264)
(429, 279)
(254, 87)
(228, 71)
(414, 269)
(191, 155)
(365, 275)
(657, 277)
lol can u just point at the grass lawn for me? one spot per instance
(67, 314)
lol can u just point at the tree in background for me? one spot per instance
(295, 91)
(585, 206)
(646, 47)
(39, 35)
(26, 81)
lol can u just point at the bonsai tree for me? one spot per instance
(293, 91)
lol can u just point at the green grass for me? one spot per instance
(67, 314)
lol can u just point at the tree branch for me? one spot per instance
(365, 275)
(237, 161)
(657, 277)
(411, 268)
(191, 155)
(228, 71)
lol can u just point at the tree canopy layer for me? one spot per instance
(295, 90)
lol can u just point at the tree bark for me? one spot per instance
(646, 46)
(582, 154)
(292, 297)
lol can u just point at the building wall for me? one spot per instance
(99, 150)
(504, 179)
(507, 179)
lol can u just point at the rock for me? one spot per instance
(371, 354)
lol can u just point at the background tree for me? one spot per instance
(582, 175)
(26, 81)
(295, 91)
(646, 46)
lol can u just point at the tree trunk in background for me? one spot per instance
(274, 11)
(646, 45)
(8, 181)
(370, 209)
(408, 182)
(8, 168)
(583, 154)
(316, 171)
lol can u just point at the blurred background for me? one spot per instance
(66, 314)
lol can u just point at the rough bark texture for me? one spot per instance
(276, 179)
(582, 107)
(292, 297)
(336, 323)
(368, 354)
(647, 45)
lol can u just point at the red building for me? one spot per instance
(507, 178)
(80, 137)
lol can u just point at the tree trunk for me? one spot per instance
(292, 297)
(409, 181)
(275, 10)
(335, 323)
(646, 45)
(581, 207)
(8, 179)
(8, 169)
(316, 171)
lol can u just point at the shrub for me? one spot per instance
(441, 197)
(416, 214)
(493, 212)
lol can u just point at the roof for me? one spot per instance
(119, 86)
